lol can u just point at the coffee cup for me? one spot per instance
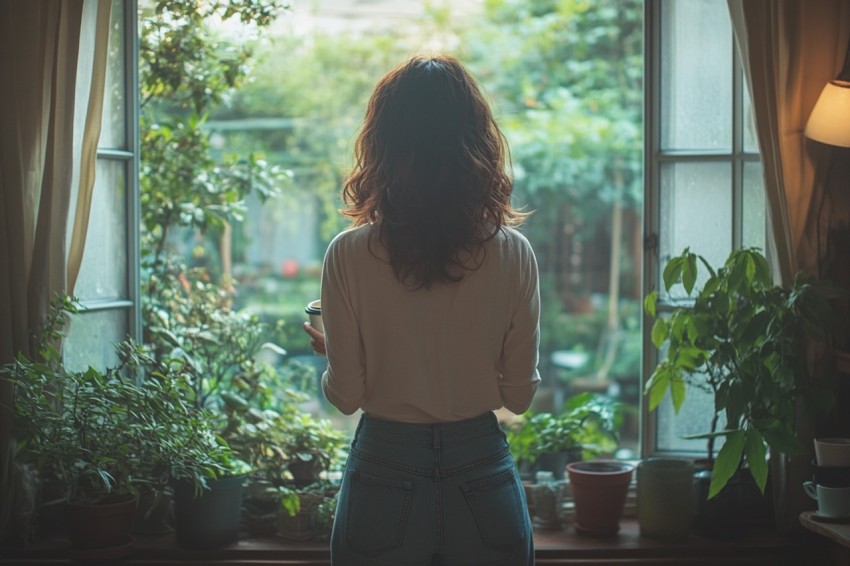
(832, 451)
(831, 476)
(833, 502)
(314, 311)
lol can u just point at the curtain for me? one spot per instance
(39, 47)
(789, 50)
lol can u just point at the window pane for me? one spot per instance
(696, 79)
(754, 218)
(696, 212)
(103, 273)
(92, 337)
(113, 130)
(693, 418)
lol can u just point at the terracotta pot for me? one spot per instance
(102, 525)
(599, 490)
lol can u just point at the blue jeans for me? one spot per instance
(432, 495)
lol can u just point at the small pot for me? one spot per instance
(599, 490)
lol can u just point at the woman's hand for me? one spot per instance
(317, 339)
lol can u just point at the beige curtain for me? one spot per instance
(39, 46)
(789, 49)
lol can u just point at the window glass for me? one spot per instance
(694, 418)
(113, 128)
(92, 337)
(696, 212)
(696, 78)
(103, 273)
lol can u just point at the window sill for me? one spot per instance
(552, 548)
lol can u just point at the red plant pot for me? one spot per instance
(599, 491)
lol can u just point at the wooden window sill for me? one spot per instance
(552, 548)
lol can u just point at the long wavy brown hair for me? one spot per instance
(432, 171)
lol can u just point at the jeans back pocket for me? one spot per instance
(377, 511)
(498, 509)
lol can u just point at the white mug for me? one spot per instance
(832, 501)
(832, 452)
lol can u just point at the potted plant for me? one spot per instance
(743, 340)
(588, 425)
(260, 438)
(307, 513)
(312, 445)
(76, 429)
(208, 494)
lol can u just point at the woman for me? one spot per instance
(430, 305)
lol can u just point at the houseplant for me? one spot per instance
(312, 445)
(76, 430)
(743, 340)
(189, 458)
(306, 513)
(588, 425)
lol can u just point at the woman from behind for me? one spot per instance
(430, 305)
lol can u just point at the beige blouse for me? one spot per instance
(444, 354)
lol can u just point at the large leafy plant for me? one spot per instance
(744, 341)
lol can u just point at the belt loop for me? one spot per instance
(357, 430)
(435, 436)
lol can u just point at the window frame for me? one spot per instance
(655, 156)
(128, 155)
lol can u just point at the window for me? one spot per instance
(703, 176)
(702, 187)
(108, 283)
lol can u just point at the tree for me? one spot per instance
(567, 76)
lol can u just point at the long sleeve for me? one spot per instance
(520, 352)
(343, 383)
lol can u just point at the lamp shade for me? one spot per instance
(829, 121)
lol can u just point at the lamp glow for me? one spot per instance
(829, 121)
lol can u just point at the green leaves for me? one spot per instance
(727, 462)
(590, 422)
(744, 340)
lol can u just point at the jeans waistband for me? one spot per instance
(439, 449)
(426, 434)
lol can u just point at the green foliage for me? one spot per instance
(186, 445)
(744, 341)
(190, 321)
(567, 78)
(109, 433)
(185, 71)
(590, 422)
(312, 439)
(195, 338)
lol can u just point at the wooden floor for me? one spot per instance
(552, 548)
